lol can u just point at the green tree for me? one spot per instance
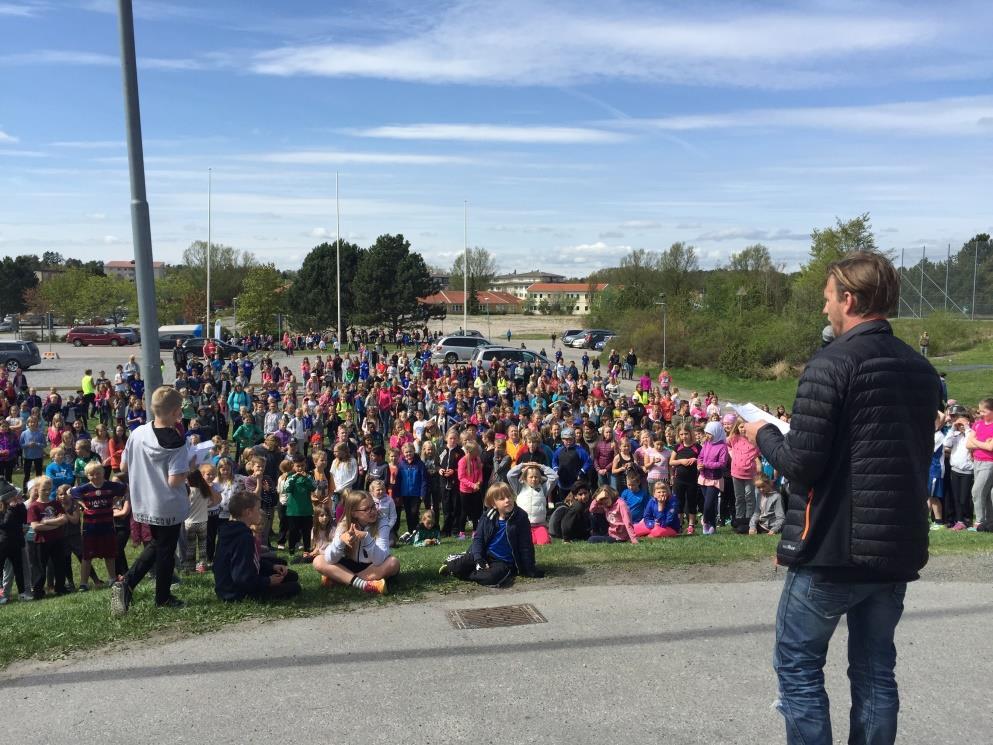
(827, 245)
(228, 267)
(68, 295)
(754, 258)
(472, 296)
(677, 265)
(482, 267)
(52, 258)
(177, 299)
(92, 267)
(391, 278)
(16, 276)
(262, 296)
(313, 297)
(112, 297)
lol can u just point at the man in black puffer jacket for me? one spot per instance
(856, 460)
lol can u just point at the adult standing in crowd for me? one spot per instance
(856, 458)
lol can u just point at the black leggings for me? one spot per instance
(495, 574)
(299, 527)
(29, 465)
(16, 556)
(470, 508)
(41, 555)
(959, 506)
(213, 525)
(412, 508)
(122, 533)
(710, 495)
(7, 470)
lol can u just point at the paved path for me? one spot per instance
(671, 663)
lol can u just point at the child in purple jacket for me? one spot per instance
(712, 462)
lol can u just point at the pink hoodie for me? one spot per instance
(743, 455)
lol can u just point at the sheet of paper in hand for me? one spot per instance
(751, 413)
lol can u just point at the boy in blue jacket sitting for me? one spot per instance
(501, 546)
(238, 570)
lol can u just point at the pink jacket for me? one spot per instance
(470, 472)
(712, 460)
(619, 525)
(743, 455)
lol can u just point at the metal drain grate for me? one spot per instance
(490, 618)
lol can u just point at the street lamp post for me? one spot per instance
(665, 360)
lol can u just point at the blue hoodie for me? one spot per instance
(636, 501)
(412, 478)
(667, 517)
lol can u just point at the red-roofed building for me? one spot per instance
(125, 269)
(493, 302)
(571, 298)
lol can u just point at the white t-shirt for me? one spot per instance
(149, 466)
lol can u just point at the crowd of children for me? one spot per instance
(246, 478)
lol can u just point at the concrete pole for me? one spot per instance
(465, 266)
(206, 328)
(337, 254)
(141, 231)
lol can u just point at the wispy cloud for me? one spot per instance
(8, 138)
(99, 59)
(89, 144)
(20, 10)
(329, 157)
(521, 43)
(641, 224)
(23, 153)
(752, 234)
(546, 135)
(968, 115)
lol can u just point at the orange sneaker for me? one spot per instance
(376, 586)
(325, 581)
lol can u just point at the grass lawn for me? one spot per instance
(981, 354)
(54, 627)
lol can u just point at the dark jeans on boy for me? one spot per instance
(496, 574)
(160, 554)
(41, 555)
(412, 508)
(288, 588)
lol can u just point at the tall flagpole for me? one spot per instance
(141, 231)
(206, 328)
(465, 267)
(337, 253)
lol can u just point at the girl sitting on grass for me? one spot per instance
(354, 557)
(610, 521)
(501, 547)
(661, 518)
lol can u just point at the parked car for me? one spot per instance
(194, 347)
(168, 340)
(23, 354)
(590, 337)
(133, 335)
(452, 349)
(6, 326)
(485, 356)
(84, 336)
(603, 341)
(570, 334)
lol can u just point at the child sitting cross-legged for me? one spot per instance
(501, 546)
(661, 518)
(239, 572)
(354, 556)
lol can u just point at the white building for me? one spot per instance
(518, 284)
(125, 269)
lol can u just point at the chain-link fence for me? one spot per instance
(934, 279)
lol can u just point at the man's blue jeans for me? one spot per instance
(809, 610)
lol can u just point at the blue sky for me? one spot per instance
(576, 133)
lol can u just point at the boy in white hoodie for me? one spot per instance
(156, 462)
(532, 496)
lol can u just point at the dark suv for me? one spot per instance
(194, 347)
(22, 354)
(84, 336)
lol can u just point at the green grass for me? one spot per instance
(981, 354)
(55, 627)
(771, 392)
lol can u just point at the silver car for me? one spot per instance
(22, 354)
(452, 349)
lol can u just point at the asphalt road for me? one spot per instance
(675, 663)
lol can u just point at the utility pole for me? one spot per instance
(141, 232)
(465, 267)
(975, 270)
(665, 358)
(337, 254)
(206, 328)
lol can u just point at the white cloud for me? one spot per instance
(110, 240)
(24, 153)
(522, 43)
(329, 157)
(969, 115)
(7, 138)
(493, 133)
(641, 224)
(321, 233)
(18, 10)
(89, 145)
(97, 215)
(752, 234)
(98, 59)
